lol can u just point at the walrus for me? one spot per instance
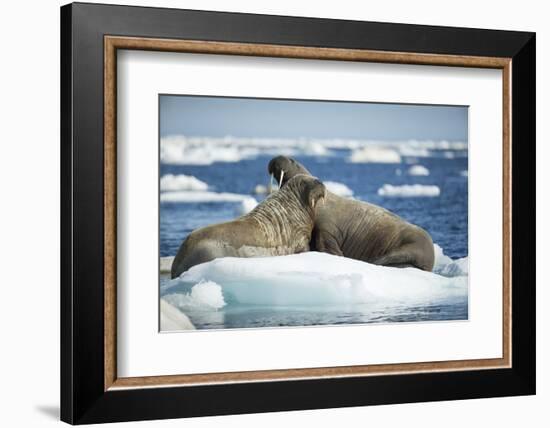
(359, 230)
(280, 225)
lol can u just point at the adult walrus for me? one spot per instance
(280, 225)
(359, 230)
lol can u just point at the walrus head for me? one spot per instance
(308, 189)
(283, 168)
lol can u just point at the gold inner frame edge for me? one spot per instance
(113, 43)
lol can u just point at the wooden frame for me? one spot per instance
(513, 53)
(112, 43)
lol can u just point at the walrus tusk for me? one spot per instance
(281, 179)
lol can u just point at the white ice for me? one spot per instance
(409, 190)
(179, 150)
(185, 150)
(417, 152)
(446, 266)
(173, 319)
(375, 155)
(201, 196)
(309, 279)
(260, 189)
(339, 189)
(246, 205)
(204, 295)
(418, 170)
(171, 183)
(166, 264)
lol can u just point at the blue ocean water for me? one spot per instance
(247, 316)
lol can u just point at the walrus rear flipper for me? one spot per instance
(406, 256)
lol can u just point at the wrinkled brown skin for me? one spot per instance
(362, 231)
(280, 225)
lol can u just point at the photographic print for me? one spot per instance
(293, 213)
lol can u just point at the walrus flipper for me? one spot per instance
(325, 243)
(406, 256)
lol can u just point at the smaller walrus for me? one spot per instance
(280, 225)
(359, 230)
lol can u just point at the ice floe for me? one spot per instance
(171, 183)
(182, 150)
(442, 263)
(458, 267)
(306, 279)
(186, 150)
(416, 152)
(172, 318)
(441, 259)
(204, 294)
(260, 189)
(166, 264)
(409, 190)
(339, 189)
(375, 155)
(418, 170)
(201, 196)
(246, 205)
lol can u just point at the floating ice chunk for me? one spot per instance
(464, 173)
(339, 189)
(198, 196)
(409, 190)
(180, 150)
(441, 260)
(417, 152)
(430, 145)
(203, 294)
(455, 268)
(166, 264)
(313, 279)
(184, 150)
(375, 155)
(314, 148)
(246, 206)
(260, 189)
(171, 318)
(444, 265)
(171, 182)
(418, 170)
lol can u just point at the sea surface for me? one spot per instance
(445, 217)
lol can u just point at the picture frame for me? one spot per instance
(91, 391)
